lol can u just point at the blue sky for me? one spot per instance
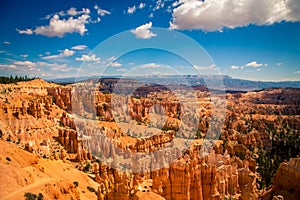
(248, 39)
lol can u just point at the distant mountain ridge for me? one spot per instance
(231, 84)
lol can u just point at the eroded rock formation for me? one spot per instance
(286, 181)
(84, 123)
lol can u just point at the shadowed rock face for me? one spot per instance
(286, 181)
(264, 121)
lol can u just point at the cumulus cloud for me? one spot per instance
(214, 15)
(79, 47)
(100, 11)
(131, 10)
(73, 12)
(159, 4)
(297, 72)
(143, 31)
(37, 68)
(59, 27)
(153, 66)
(115, 64)
(21, 65)
(64, 22)
(6, 42)
(254, 64)
(210, 67)
(25, 63)
(64, 53)
(142, 5)
(234, 67)
(88, 58)
(8, 67)
(26, 31)
(67, 53)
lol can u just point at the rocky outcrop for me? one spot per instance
(114, 184)
(69, 139)
(62, 97)
(214, 177)
(35, 109)
(286, 181)
(74, 146)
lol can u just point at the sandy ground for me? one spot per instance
(22, 172)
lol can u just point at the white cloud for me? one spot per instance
(27, 31)
(24, 55)
(59, 27)
(115, 64)
(159, 4)
(56, 66)
(67, 53)
(110, 59)
(26, 63)
(153, 66)
(297, 72)
(131, 10)
(254, 64)
(63, 22)
(88, 58)
(38, 68)
(79, 47)
(6, 42)
(234, 67)
(143, 31)
(73, 12)
(6, 66)
(64, 53)
(214, 15)
(100, 11)
(142, 5)
(210, 67)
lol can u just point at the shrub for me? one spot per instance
(76, 183)
(91, 189)
(40, 196)
(29, 196)
(32, 196)
(87, 167)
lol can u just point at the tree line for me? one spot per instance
(11, 79)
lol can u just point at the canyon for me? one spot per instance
(152, 145)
